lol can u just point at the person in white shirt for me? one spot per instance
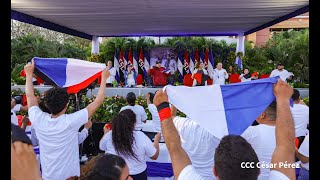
(154, 112)
(141, 114)
(233, 150)
(303, 155)
(263, 137)
(16, 107)
(284, 74)
(133, 146)
(58, 132)
(199, 70)
(130, 76)
(220, 75)
(199, 144)
(300, 114)
(245, 76)
(113, 72)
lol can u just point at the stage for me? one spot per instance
(304, 92)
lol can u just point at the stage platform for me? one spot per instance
(304, 92)
(109, 91)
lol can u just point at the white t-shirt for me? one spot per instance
(141, 115)
(14, 110)
(199, 144)
(300, 114)
(155, 118)
(244, 79)
(111, 78)
(263, 140)
(220, 76)
(284, 74)
(58, 142)
(142, 147)
(304, 150)
(189, 172)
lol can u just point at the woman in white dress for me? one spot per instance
(130, 76)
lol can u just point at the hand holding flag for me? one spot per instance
(29, 68)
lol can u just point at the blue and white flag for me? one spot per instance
(180, 65)
(224, 109)
(73, 74)
(116, 65)
(167, 71)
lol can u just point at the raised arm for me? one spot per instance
(31, 98)
(178, 156)
(285, 146)
(92, 107)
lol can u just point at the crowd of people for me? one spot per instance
(194, 152)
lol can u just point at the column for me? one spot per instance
(240, 48)
(95, 45)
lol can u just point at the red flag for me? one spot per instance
(22, 73)
(121, 61)
(186, 62)
(197, 56)
(130, 57)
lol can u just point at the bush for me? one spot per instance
(306, 100)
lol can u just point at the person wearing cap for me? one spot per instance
(159, 75)
(130, 76)
(280, 71)
(141, 115)
(16, 107)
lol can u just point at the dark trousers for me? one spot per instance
(141, 176)
(109, 85)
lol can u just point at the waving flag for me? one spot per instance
(135, 62)
(116, 65)
(72, 74)
(224, 109)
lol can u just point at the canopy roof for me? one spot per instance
(85, 18)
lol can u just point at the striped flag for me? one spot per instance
(135, 62)
(142, 69)
(122, 66)
(116, 65)
(73, 74)
(228, 109)
(210, 63)
(125, 59)
(146, 61)
(206, 58)
(192, 63)
(180, 65)
(130, 57)
(196, 56)
(201, 56)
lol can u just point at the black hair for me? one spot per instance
(18, 99)
(131, 98)
(122, 133)
(230, 153)
(43, 107)
(151, 97)
(56, 99)
(296, 95)
(247, 76)
(106, 167)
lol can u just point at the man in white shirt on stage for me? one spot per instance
(113, 72)
(220, 75)
(280, 71)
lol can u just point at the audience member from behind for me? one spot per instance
(131, 145)
(141, 114)
(303, 155)
(198, 143)
(108, 167)
(262, 137)
(58, 132)
(16, 107)
(300, 114)
(228, 162)
(154, 112)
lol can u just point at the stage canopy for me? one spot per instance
(94, 18)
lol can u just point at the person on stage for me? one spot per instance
(159, 74)
(220, 75)
(246, 76)
(199, 70)
(130, 76)
(111, 78)
(280, 71)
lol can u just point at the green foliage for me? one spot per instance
(306, 100)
